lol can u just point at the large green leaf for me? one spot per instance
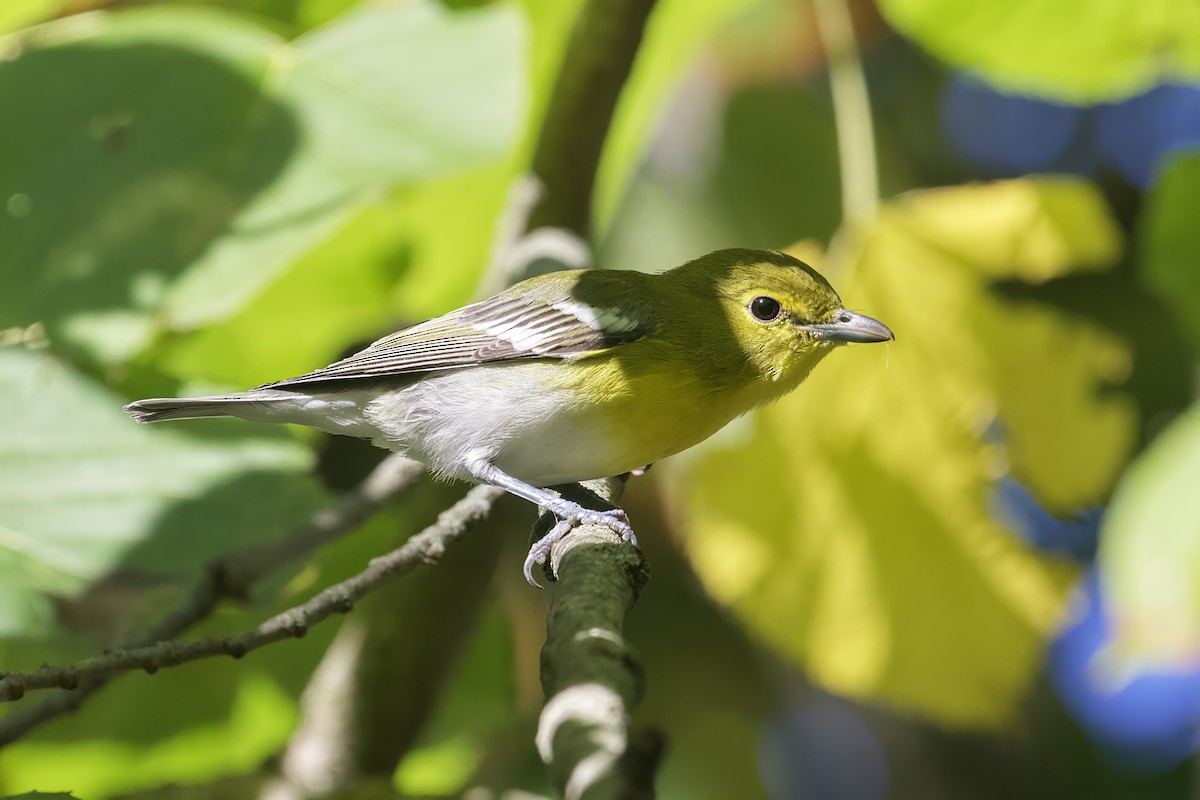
(410, 254)
(1150, 555)
(86, 494)
(1171, 242)
(851, 524)
(1071, 50)
(203, 153)
(407, 257)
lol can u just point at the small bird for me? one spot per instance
(569, 376)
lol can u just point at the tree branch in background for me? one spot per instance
(589, 676)
(381, 678)
(599, 57)
(851, 111)
(426, 547)
(543, 226)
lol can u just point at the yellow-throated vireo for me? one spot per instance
(569, 376)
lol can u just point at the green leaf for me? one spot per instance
(1150, 555)
(851, 525)
(1171, 242)
(256, 723)
(405, 258)
(1077, 51)
(201, 721)
(86, 494)
(169, 203)
(675, 34)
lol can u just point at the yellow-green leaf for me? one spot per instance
(1150, 554)
(1171, 242)
(851, 525)
(1070, 50)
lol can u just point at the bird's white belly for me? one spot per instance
(504, 414)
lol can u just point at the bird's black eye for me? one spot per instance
(765, 308)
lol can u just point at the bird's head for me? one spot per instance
(781, 313)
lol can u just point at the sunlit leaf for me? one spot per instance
(850, 525)
(167, 203)
(257, 723)
(1150, 555)
(414, 253)
(87, 494)
(16, 14)
(1171, 244)
(1070, 50)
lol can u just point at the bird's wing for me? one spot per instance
(548, 321)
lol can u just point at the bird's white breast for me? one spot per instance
(503, 413)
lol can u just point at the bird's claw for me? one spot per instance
(571, 515)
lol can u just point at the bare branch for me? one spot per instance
(424, 548)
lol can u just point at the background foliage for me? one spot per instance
(963, 566)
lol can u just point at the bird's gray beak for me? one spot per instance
(850, 327)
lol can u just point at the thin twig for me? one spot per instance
(234, 575)
(426, 547)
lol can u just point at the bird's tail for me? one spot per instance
(247, 405)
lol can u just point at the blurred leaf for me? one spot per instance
(202, 720)
(475, 706)
(850, 525)
(86, 494)
(774, 140)
(16, 14)
(1150, 554)
(405, 258)
(169, 203)
(311, 13)
(1080, 51)
(439, 769)
(334, 295)
(675, 34)
(257, 723)
(414, 253)
(1171, 242)
(387, 93)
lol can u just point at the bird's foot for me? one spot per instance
(571, 515)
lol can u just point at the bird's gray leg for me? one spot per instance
(568, 513)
